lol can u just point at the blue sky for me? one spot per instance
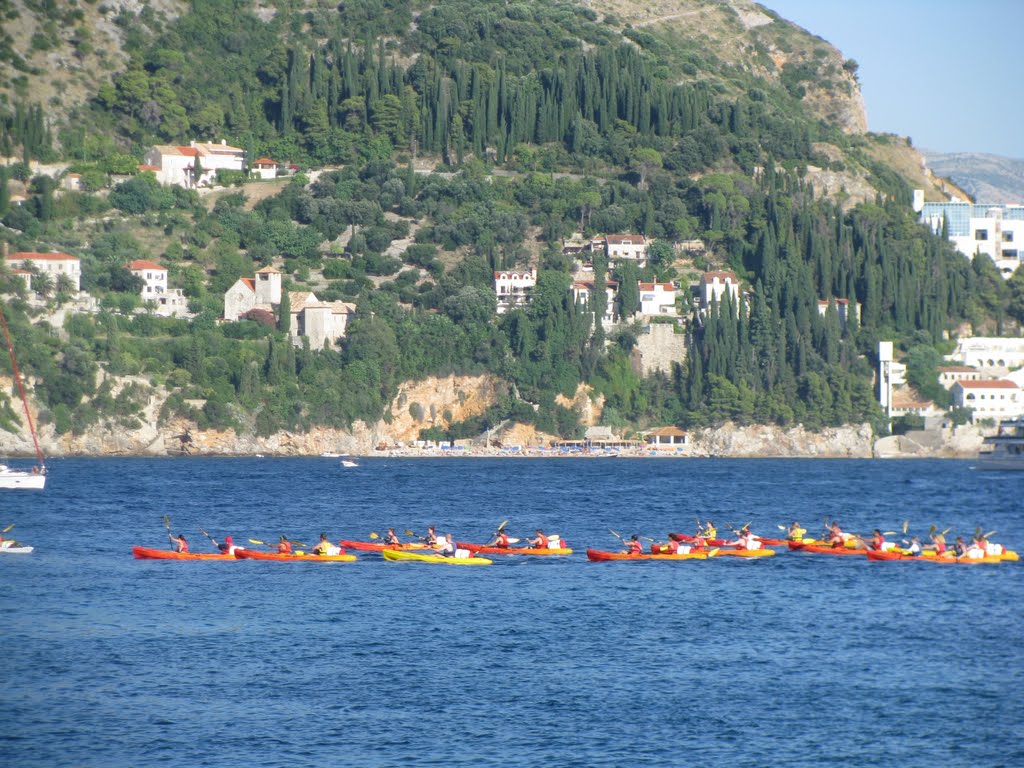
(947, 73)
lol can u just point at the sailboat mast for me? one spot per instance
(21, 390)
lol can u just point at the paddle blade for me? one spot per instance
(906, 524)
(410, 533)
(374, 535)
(613, 533)
(990, 533)
(167, 523)
(947, 531)
(713, 552)
(503, 524)
(9, 527)
(257, 541)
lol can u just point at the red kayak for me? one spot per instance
(480, 548)
(145, 553)
(252, 554)
(800, 546)
(947, 558)
(599, 555)
(377, 546)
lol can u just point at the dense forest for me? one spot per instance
(596, 127)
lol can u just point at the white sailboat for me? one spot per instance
(19, 479)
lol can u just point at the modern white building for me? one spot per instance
(891, 374)
(177, 165)
(657, 299)
(989, 352)
(993, 399)
(512, 287)
(994, 230)
(52, 264)
(951, 374)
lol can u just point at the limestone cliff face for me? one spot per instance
(851, 442)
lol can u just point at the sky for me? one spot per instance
(947, 73)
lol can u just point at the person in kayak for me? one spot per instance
(913, 546)
(676, 545)
(938, 543)
(710, 531)
(959, 547)
(324, 547)
(228, 547)
(500, 539)
(877, 542)
(699, 542)
(431, 538)
(836, 537)
(179, 542)
(746, 540)
(391, 537)
(633, 546)
(795, 532)
(446, 546)
(540, 541)
(284, 547)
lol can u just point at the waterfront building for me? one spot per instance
(995, 230)
(993, 399)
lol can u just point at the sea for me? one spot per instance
(794, 660)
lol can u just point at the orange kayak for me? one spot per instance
(826, 549)
(295, 557)
(145, 553)
(949, 559)
(376, 546)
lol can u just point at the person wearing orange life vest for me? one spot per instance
(699, 541)
(633, 546)
(500, 539)
(835, 536)
(877, 542)
(284, 547)
(540, 541)
(179, 542)
(228, 547)
(939, 542)
(747, 540)
(676, 546)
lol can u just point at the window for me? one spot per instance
(981, 234)
(1007, 237)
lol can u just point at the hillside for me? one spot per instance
(438, 144)
(986, 178)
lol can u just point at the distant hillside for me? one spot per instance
(987, 178)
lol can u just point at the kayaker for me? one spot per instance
(795, 532)
(391, 537)
(676, 546)
(228, 547)
(836, 537)
(746, 540)
(324, 547)
(699, 542)
(284, 547)
(540, 541)
(710, 531)
(633, 546)
(939, 542)
(431, 538)
(446, 546)
(877, 541)
(179, 542)
(913, 547)
(499, 539)
(959, 548)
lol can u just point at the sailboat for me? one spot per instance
(19, 479)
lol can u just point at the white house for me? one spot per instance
(989, 352)
(176, 164)
(994, 230)
(322, 322)
(52, 264)
(25, 276)
(657, 299)
(583, 291)
(951, 374)
(512, 287)
(264, 168)
(713, 286)
(992, 399)
(633, 247)
(842, 308)
(169, 302)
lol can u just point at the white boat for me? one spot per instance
(16, 550)
(329, 455)
(19, 479)
(348, 463)
(1005, 448)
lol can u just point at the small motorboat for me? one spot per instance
(348, 463)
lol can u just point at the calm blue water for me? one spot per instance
(799, 660)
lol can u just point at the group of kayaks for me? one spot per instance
(680, 547)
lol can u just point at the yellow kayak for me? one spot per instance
(398, 554)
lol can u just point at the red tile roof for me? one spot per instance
(249, 283)
(264, 161)
(148, 167)
(650, 286)
(993, 384)
(143, 264)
